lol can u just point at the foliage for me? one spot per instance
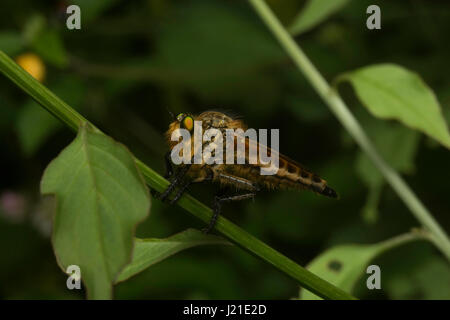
(392, 92)
(94, 222)
(315, 11)
(131, 62)
(102, 289)
(150, 251)
(344, 265)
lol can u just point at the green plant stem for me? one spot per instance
(342, 112)
(414, 235)
(71, 118)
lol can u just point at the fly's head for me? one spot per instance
(182, 121)
(208, 119)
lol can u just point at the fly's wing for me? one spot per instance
(287, 171)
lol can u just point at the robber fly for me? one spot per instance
(245, 178)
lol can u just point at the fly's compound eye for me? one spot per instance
(188, 123)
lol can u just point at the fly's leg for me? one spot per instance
(167, 175)
(180, 192)
(217, 206)
(219, 199)
(178, 178)
(183, 188)
(168, 163)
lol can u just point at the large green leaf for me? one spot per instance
(150, 251)
(344, 265)
(100, 198)
(390, 91)
(314, 12)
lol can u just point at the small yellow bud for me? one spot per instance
(33, 64)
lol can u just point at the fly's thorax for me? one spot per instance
(213, 119)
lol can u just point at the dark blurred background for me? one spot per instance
(134, 60)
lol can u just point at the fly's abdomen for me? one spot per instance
(295, 176)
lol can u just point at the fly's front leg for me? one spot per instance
(169, 167)
(167, 175)
(185, 185)
(209, 177)
(178, 178)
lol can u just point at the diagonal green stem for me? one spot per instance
(71, 118)
(342, 112)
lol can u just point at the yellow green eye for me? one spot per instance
(188, 123)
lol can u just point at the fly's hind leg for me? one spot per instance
(217, 205)
(241, 183)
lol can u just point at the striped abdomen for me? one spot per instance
(294, 176)
(290, 175)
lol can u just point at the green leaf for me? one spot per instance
(426, 277)
(11, 42)
(344, 265)
(100, 199)
(370, 210)
(35, 125)
(396, 144)
(389, 91)
(147, 252)
(315, 12)
(33, 27)
(49, 45)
